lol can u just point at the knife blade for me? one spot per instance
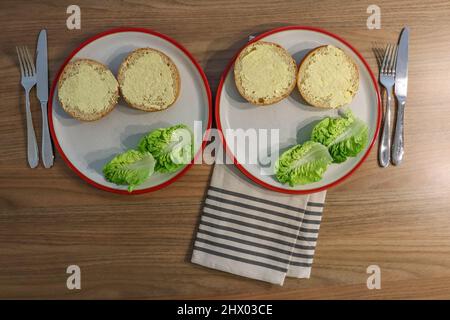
(401, 70)
(42, 94)
(42, 67)
(401, 88)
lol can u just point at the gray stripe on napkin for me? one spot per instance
(265, 201)
(228, 256)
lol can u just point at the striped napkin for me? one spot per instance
(253, 232)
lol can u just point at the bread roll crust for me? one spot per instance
(73, 111)
(310, 99)
(129, 60)
(274, 99)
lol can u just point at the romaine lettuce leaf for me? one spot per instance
(303, 163)
(130, 168)
(171, 147)
(345, 136)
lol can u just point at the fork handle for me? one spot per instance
(385, 143)
(398, 147)
(47, 149)
(32, 148)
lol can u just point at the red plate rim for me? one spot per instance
(219, 125)
(55, 82)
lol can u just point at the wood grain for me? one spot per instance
(139, 246)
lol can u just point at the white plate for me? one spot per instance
(291, 116)
(88, 146)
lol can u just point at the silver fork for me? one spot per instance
(28, 81)
(387, 79)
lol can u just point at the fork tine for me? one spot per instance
(24, 62)
(394, 65)
(27, 62)
(20, 62)
(383, 65)
(393, 56)
(388, 56)
(25, 56)
(30, 60)
(391, 59)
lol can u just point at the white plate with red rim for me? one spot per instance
(292, 116)
(87, 146)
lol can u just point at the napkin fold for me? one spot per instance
(253, 232)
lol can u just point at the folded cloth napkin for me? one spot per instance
(253, 232)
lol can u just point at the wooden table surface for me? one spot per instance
(140, 246)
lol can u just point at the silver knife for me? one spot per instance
(42, 94)
(401, 85)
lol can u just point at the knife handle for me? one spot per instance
(32, 147)
(385, 142)
(398, 146)
(47, 148)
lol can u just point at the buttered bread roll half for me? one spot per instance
(87, 90)
(328, 78)
(149, 80)
(265, 73)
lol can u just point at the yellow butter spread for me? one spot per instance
(87, 89)
(265, 72)
(329, 76)
(148, 81)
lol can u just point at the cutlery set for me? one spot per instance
(394, 75)
(32, 75)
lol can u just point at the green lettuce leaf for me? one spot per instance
(303, 163)
(344, 136)
(171, 147)
(129, 168)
